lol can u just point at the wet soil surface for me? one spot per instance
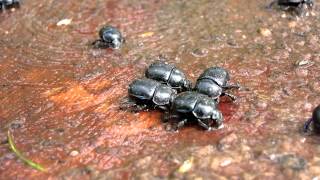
(60, 97)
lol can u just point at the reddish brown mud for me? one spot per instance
(61, 98)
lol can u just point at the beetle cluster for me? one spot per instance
(167, 88)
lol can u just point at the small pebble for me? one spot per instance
(265, 32)
(74, 153)
(261, 104)
(301, 43)
(292, 24)
(226, 162)
(146, 34)
(186, 166)
(305, 63)
(64, 22)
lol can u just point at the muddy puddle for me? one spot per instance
(60, 97)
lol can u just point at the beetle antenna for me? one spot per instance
(306, 125)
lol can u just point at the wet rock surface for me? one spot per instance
(60, 97)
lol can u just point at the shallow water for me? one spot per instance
(58, 95)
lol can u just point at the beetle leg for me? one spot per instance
(181, 123)
(302, 9)
(306, 125)
(231, 86)
(299, 10)
(169, 125)
(174, 116)
(132, 106)
(169, 116)
(204, 125)
(175, 88)
(140, 107)
(160, 107)
(231, 96)
(271, 4)
(100, 44)
(166, 116)
(217, 100)
(285, 7)
(217, 128)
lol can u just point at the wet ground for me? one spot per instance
(60, 97)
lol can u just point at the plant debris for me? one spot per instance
(20, 156)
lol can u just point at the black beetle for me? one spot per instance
(297, 5)
(315, 120)
(191, 105)
(169, 74)
(213, 82)
(151, 93)
(110, 37)
(4, 4)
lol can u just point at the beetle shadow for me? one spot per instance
(134, 105)
(130, 105)
(171, 121)
(311, 135)
(99, 44)
(307, 129)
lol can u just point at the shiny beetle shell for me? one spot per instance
(169, 74)
(111, 37)
(151, 90)
(218, 74)
(201, 106)
(208, 87)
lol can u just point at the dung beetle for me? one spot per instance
(296, 5)
(315, 120)
(110, 37)
(151, 93)
(191, 105)
(4, 4)
(214, 82)
(168, 74)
